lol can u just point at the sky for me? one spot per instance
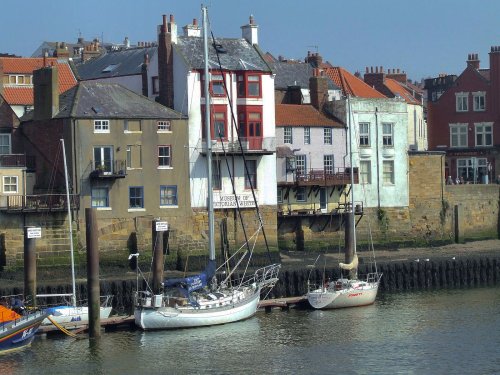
(423, 38)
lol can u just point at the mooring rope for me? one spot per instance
(61, 328)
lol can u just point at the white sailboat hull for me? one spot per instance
(74, 314)
(355, 293)
(165, 317)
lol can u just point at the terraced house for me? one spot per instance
(242, 119)
(125, 153)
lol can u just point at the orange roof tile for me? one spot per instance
(398, 90)
(18, 95)
(350, 84)
(302, 115)
(26, 65)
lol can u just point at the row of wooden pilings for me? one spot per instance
(472, 271)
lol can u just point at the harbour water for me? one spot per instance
(431, 332)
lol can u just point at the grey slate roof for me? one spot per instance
(294, 74)
(108, 100)
(126, 62)
(239, 54)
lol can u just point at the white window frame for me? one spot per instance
(364, 134)
(164, 126)
(388, 136)
(365, 172)
(301, 164)
(288, 135)
(165, 158)
(8, 183)
(327, 136)
(462, 101)
(459, 131)
(307, 135)
(479, 101)
(388, 172)
(329, 164)
(101, 126)
(482, 132)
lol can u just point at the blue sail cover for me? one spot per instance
(192, 283)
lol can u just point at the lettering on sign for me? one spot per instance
(229, 201)
(161, 226)
(34, 233)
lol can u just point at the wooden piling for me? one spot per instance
(157, 244)
(93, 273)
(29, 268)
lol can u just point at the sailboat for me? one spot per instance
(201, 300)
(72, 312)
(350, 291)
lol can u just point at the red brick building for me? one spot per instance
(464, 121)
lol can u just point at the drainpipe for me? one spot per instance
(378, 157)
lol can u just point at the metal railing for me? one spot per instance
(41, 202)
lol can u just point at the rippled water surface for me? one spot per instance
(442, 332)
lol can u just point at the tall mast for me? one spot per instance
(353, 223)
(208, 139)
(73, 297)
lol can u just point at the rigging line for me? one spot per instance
(234, 192)
(233, 121)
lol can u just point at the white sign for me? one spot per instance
(229, 200)
(34, 232)
(161, 226)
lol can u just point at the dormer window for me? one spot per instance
(18, 79)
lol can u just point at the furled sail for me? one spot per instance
(195, 282)
(350, 266)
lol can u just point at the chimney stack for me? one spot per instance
(375, 79)
(314, 59)
(250, 32)
(46, 92)
(473, 60)
(397, 75)
(318, 88)
(166, 38)
(192, 30)
(144, 75)
(495, 78)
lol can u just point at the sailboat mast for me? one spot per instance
(73, 297)
(208, 138)
(353, 218)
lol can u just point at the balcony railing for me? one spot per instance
(253, 145)
(314, 209)
(321, 177)
(38, 203)
(17, 161)
(107, 170)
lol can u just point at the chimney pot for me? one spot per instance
(381, 69)
(195, 22)
(367, 70)
(371, 69)
(251, 19)
(172, 18)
